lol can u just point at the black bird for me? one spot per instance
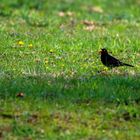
(110, 61)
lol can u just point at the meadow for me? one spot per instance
(53, 85)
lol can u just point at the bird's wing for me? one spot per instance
(114, 61)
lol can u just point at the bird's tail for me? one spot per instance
(124, 64)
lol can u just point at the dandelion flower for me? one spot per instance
(51, 51)
(21, 43)
(46, 61)
(62, 65)
(105, 68)
(30, 45)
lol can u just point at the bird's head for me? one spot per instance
(103, 51)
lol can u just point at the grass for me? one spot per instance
(49, 53)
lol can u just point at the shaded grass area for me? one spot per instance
(49, 53)
(104, 87)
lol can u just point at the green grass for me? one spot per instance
(52, 58)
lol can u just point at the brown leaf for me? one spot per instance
(89, 28)
(33, 118)
(61, 14)
(69, 14)
(88, 23)
(20, 95)
(97, 9)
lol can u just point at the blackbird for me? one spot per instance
(110, 61)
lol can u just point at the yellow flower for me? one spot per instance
(51, 51)
(106, 68)
(30, 45)
(62, 65)
(20, 43)
(46, 61)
